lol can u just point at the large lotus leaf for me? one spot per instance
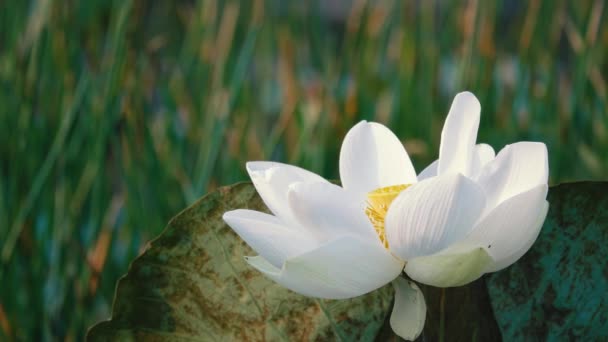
(559, 290)
(193, 284)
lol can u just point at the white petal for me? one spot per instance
(343, 268)
(512, 226)
(409, 311)
(330, 211)
(482, 155)
(516, 168)
(429, 216)
(449, 269)
(429, 172)
(272, 180)
(515, 255)
(459, 135)
(372, 157)
(268, 236)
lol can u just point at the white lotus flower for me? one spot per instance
(468, 213)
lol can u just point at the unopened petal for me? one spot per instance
(409, 311)
(372, 157)
(268, 235)
(429, 216)
(429, 172)
(329, 211)
(343, 268)
(459, 135)
(447, 269)
(272, 180)
(482, 155)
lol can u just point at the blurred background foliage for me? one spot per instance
(116, 115)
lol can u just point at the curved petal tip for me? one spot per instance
(469, 98)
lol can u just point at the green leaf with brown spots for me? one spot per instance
(559, 290)
(193, 284)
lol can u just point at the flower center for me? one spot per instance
(378, 202)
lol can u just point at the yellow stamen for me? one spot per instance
(379, 201)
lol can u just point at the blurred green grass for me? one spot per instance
(115, 115)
